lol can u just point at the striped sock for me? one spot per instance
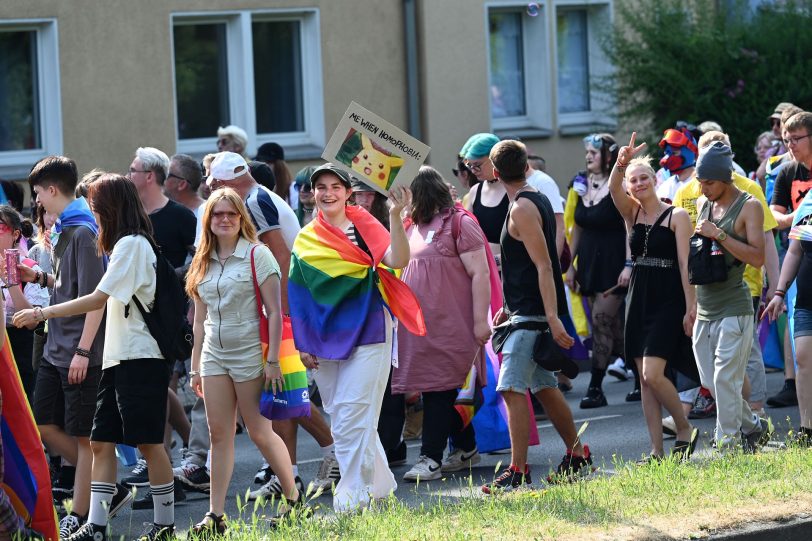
(101, 495)
(163, 502)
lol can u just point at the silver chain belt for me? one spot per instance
(654, 262)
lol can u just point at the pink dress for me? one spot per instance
(442, 359)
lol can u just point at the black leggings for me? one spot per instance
(22, 345)
(391, 418)
(441, 421)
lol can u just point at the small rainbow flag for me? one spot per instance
(26, 479)
(337, 292)
(801, 232)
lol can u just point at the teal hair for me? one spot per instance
(303, 176)
(478, 146)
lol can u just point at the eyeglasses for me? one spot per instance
(475, 167)
(230, 214)
(138, 171)
(796, 140)
(170, 175)
(223, 141)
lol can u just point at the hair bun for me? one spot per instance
(26, 228)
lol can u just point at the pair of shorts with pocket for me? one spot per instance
(519, 371)
(68, 406)
(802, 321)
(131, 407)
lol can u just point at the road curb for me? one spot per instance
(797, 528)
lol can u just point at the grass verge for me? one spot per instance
(659, 501)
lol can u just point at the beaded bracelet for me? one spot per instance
(82, 352)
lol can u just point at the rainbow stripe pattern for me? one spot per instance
(25, 478)
(337, 292)
(294, 399)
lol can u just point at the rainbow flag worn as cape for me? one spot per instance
(336, 291)
(26, 479)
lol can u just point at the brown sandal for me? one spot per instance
(210, 527)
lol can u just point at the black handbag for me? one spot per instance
(546, 353)
(706, 259)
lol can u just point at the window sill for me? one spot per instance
(585, 128)
(524, 133)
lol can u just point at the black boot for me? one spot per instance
(594, 399)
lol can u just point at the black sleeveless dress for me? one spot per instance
(655, 304)
(601, 248)
(491, 219)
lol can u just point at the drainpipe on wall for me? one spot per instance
(412, 83)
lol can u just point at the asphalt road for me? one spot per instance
(617, 429)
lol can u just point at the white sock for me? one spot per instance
(295, 470)
(163, 502)
(328, 450)
(101, 495)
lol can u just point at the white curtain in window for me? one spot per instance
(573, 61)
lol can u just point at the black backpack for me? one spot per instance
(166, 319)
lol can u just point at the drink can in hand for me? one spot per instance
(12, 276)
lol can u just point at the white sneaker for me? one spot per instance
(426, 469)
(669, 427)
(264, 474)
(460, 460)
(273, 489)
(328, 475)
(618, 369)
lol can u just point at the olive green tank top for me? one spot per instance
(731, 297)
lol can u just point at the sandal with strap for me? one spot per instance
(210, 527)
(683, 450)
(293, 510)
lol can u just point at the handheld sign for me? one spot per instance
(374, 151)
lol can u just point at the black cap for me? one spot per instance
(330, 168)
(262, 173)
(360, 186)
(270, 152)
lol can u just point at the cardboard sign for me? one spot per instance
(374, 151)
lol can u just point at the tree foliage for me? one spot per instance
(698, 60)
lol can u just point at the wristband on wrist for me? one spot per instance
(44, 282)
(629, 263)
(39, 315)
(82, 352)
(193, 373)
(780, 293)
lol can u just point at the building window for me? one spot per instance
(573, 61)
(258, 70)
(518, 89)
(544, 64)
(30, 117)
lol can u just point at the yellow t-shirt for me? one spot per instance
(686, 198)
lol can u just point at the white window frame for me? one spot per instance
(17, 163)
(240, 62)
(599, 12)
(537, 87)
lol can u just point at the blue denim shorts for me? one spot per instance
(803, 323)
(519, 371)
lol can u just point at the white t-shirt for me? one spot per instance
(199, 227)
(546, 185)
(131, 271)
(269, 212)
(667, 190)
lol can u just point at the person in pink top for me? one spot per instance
(448, 272)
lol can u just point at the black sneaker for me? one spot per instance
(121, 498)
(508, 480)
(193, 477)
(139, 477)
(158, 532)
(397, 456)
(786, 397)
(89, 532)
(594, 399)
(264, 474)
(634, 396)
(69, 525)
(572, 468)
(758, 438)
(145, 501)
(704, 407)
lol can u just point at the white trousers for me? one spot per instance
(721, 348)
(351, 392)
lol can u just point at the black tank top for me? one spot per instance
(491, 219)
(520, 282)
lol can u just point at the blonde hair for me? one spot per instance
(208, 242)
(642, 161)
(711, 137)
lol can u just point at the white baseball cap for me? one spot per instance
(227, 166)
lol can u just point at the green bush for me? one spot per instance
(697, 60)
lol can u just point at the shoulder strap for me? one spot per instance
(62, 245)
(256, 282)
(456, 221)
(666, 212)
(637, 214)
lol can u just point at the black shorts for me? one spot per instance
(131, 408)
(70, 407)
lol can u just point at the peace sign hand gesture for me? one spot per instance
(625, 154)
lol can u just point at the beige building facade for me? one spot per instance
(95, 79)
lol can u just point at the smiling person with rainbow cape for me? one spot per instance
(343, 297)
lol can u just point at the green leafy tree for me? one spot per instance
(698, 60)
